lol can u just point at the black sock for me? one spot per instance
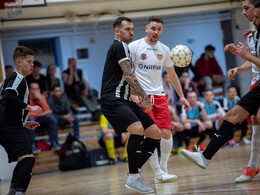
(134, 152)
(148, 147)
(186, 134)
(13, 181)
(202, 138)
(218, 139)
(24, 174)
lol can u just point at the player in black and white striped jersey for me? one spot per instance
(14, 110)
(123, 114)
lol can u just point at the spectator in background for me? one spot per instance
(213, 109)
(8, 70)
(37, 77)
(195, 121)
(187, 84)
(228, 103)
(169, 92)
(60, 107)
(177, 129)
(209, 69)
(77, 88)
(46, 119)
(51, 80)
(109, 139)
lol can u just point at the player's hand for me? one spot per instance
(147, 104)
(247, 32)
(232, 73)
(31, 125)
(185, 103)
(242, 50)
(231, 47)
(137, 99)
(36, 109)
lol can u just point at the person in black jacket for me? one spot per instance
(60, 106)
(78, 89)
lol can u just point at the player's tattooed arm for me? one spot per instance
(134, 83)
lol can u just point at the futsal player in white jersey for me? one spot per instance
(252, 169)
(149, 56)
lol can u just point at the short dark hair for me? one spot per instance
(22, 52)
(207, 90)
(56, 85)
(209, 48)
(118, 21)
(37, 64)
(155, 19)
(8, 66)
(257, 4)
(70, 59)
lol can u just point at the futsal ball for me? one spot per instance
(181, 55)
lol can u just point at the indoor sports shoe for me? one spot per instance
(247, 175)
(164, 177)
(138, 185)
(196, 157)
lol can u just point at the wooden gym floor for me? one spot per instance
(219, 178)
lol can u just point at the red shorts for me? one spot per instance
(249, 122)
(160, 112)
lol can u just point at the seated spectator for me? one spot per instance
(46, 119)
(8, 70)
(199, 83)
(77, 88)
(213, 109)
(195, 121)
(187, 84)
(177, 128)
(51, 80)
(37, 77)
(109, 139)
(228, 103)
(169, 92)
(210, 71)
(60, 107)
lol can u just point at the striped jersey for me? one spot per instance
(253, 43)
(114, 84)
(14, 97)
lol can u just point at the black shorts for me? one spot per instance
(117, 141)
(251, 101)
(16, 141)
(122, 113)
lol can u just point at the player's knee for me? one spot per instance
(187, 126)
(136, 128)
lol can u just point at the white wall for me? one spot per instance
(201, 29)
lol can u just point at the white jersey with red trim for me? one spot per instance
(254, 49)
(148, 63)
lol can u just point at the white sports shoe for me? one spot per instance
(196, 157)
(248, 175)
(138, 185)
(164, 177)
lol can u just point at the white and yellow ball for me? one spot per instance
(181, 55)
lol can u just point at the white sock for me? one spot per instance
(166, 148)
(153, 160)
(255, 147)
